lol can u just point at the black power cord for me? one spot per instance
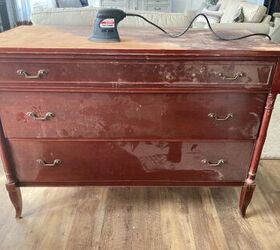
(189, 26)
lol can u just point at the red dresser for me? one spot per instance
(148, 111)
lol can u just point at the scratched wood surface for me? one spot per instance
(148, 38)
(144, 218)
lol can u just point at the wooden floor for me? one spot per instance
(144, 218)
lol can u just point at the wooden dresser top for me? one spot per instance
(198, 42)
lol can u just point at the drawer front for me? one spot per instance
(113, 2)
(123, 115)
(114, 6)
(158, 2)
(195, 73)
(59, 161)
(160, 8)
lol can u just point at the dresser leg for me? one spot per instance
(15, 197)
(246, 195)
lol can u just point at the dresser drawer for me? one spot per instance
(113, 2)
(59, 161)
(160, 8)
(158, 2)
(124, 115)
(192, 72)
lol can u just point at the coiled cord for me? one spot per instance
(190, 25)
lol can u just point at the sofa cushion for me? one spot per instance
(253, 13)
(224, 3)
(239, 18)
(214, 7)
(230, 12)
(86, 16)
(91, 2)
(213, 16)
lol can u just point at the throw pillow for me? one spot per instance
(253, 13)
(214, 15)
(93, 3)
(69, 3)
(239, 18)
(214, 7)
(201, 8)
(230, 12)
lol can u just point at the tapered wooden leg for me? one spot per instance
(15, 197)
(246, 195)
(250, 185)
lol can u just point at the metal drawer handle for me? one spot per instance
(35, 117)
(232, 77)
(211, 164)
(217, 118)
(55, 163)
(40, 74)
(157, 8)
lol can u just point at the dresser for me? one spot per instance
(148, 111)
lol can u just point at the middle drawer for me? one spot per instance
(127, 115)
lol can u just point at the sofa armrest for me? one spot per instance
(252, 27)
(276, 14)
(267, 19)
(275, 35)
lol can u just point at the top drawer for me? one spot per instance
(158, 2)
(191, 73)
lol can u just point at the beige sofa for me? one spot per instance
(275, 29)
(255, 19)
(86, 16)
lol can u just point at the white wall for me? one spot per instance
(182, 5)
(256, 1)
(272, 144)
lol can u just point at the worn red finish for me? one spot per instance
(152, 161)
(162, 72)
(127, 115)
(178, 113)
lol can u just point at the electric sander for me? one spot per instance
(106, 25)
(107, 20)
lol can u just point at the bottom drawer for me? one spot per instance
(86, 161)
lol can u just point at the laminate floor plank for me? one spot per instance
(146, 220)
(143, 218)
(176, 229)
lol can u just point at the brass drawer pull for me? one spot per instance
(211, 164)
(35, 117)
(217, 118)
(55, 163)
(232, 77)
(40, 74)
